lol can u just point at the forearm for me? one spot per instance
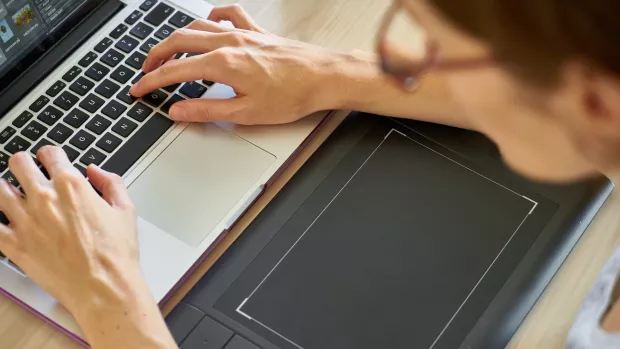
(362, 86)
(124, 315)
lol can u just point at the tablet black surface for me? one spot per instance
(395, 234)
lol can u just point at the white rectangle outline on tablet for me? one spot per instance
(535, 204)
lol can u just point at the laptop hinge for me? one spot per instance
(57, 54)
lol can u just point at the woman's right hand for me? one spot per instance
(277, 80)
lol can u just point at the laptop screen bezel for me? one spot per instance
(45, 44)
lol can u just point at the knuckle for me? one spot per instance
(167, 68)
(236, 8)
(196, 23)
(223, 56)
(42, 193)
(178, 34)
(69, 178)
(237, 37)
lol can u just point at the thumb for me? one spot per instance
(207, 110)
(111, 187)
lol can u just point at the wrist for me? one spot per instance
(120, 311)
(353, 81)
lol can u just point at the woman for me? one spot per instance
(541, 78)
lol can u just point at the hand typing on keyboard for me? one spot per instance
(81, 248)
(277, 80)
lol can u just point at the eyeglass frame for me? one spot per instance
(410, 74)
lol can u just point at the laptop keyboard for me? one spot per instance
(90, 113)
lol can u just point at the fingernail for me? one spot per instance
(133, 88)
(178, 113)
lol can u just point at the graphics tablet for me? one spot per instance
(395, 234)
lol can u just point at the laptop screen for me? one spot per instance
(28, 28)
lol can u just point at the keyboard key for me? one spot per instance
(141, 31)
(82, 140)
(125, 96)
(50, 115)
(109, 142)
(118, 31)
(175, 98)
(22, 119)
(238, 342)
(56, 88)
(39, 104)
(81, 168)
(137, 78)
(112, 58)
(181, 20)
(193, 89)
(113, 109)
(208, 83)
(10, 177)
(72, 154)
(98, 124)
(147, 5)
(60, 133)
(66, 100)
(129, 153)
(88, 59)
(122, 74)
(136, 60)
(133, 17)
(17, 144)
(172, 88)
(148, 45)
(92, 103)
(159, 14)
(164, 32)
(155, 98)
(81, 86)
(76, 118)
(124, 127)
(140, 112)
(34, 131)
(7, 134)
(72, 74)
(104, 45)
(107, 88)
(97, 72)
(127, 44)
(92, 156)
(4, 161)
(44, 142)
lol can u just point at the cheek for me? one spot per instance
(531, 141)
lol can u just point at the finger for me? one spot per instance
(201, 67)
(110, 186)
(236, 15)
(54, 160)
(189, 41)
(11, 203)
(206, 25)
(209, 110)
(26, 171)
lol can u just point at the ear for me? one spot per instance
(596, 95)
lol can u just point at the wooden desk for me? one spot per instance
(349, 24)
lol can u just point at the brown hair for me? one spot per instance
(534, 38)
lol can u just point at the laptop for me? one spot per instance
(65, 70)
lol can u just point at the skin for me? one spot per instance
(90, 253)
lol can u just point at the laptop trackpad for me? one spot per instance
(197, 180)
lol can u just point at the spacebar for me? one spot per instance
(138, 144)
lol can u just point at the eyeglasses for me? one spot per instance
(408, 51)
